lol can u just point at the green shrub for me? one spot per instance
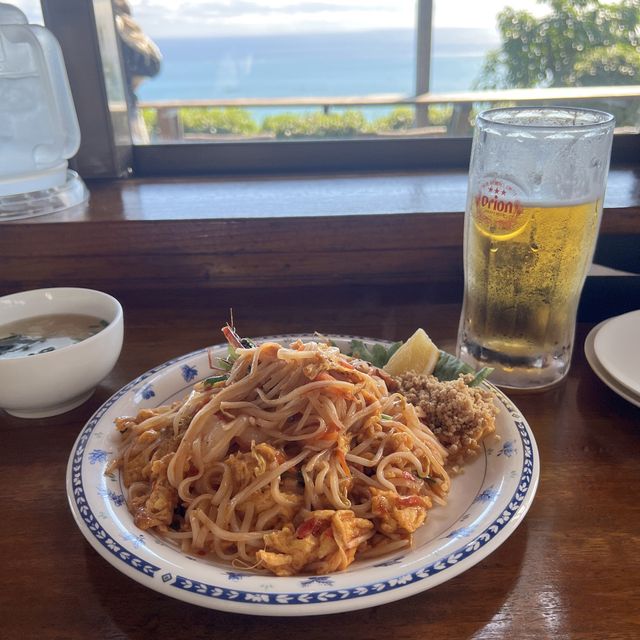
(211, 120)
(403, 118)
(440, 115)
(336, 124)
(400, 118)
(316, 125)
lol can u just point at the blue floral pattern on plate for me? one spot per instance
(508, 449)
(389, 563)
(325, 581)
(116, 498)
(147, 392)
(136, 540)
(462, 532)
(486, 495)
(188, 373)
(234, 575)
(491, 497)
(98, 455)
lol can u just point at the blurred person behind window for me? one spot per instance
(141, 59)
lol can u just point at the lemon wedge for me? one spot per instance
(417, 354)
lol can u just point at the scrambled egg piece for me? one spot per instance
(326, 541)
(157, 508)
(398, 514)
(138, 468)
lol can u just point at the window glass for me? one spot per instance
(31, 9)
(274, 69)
(207, 71)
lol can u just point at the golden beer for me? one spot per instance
(537, 179)
(525, 272)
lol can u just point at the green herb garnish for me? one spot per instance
(378, 355)
(209, 382)
(449, 367)
(17, 343)
(227, 362)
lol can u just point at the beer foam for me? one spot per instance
(558, 204)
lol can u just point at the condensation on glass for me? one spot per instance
(534, 204)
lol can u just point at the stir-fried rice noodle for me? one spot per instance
(300, 461)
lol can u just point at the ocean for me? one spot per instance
(327, 64)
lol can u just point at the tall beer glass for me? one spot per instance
(536, 184)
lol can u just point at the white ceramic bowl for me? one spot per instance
(50, 383)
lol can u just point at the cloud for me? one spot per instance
(244, 8)
(229, 17)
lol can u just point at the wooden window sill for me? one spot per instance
(200, 233)
(200, 198)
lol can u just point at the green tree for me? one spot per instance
(577, 43)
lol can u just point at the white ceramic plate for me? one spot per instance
(617, 346)
(486, 504)
(601, 372)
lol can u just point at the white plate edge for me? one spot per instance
(598, 368)
(631, 385)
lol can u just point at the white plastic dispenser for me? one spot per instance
(39, 129)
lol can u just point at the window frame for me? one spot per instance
(324, 156)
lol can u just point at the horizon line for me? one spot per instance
(314, 32)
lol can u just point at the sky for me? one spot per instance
(182, 18)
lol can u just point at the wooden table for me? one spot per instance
(570, 570)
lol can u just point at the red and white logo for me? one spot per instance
(496, 206)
